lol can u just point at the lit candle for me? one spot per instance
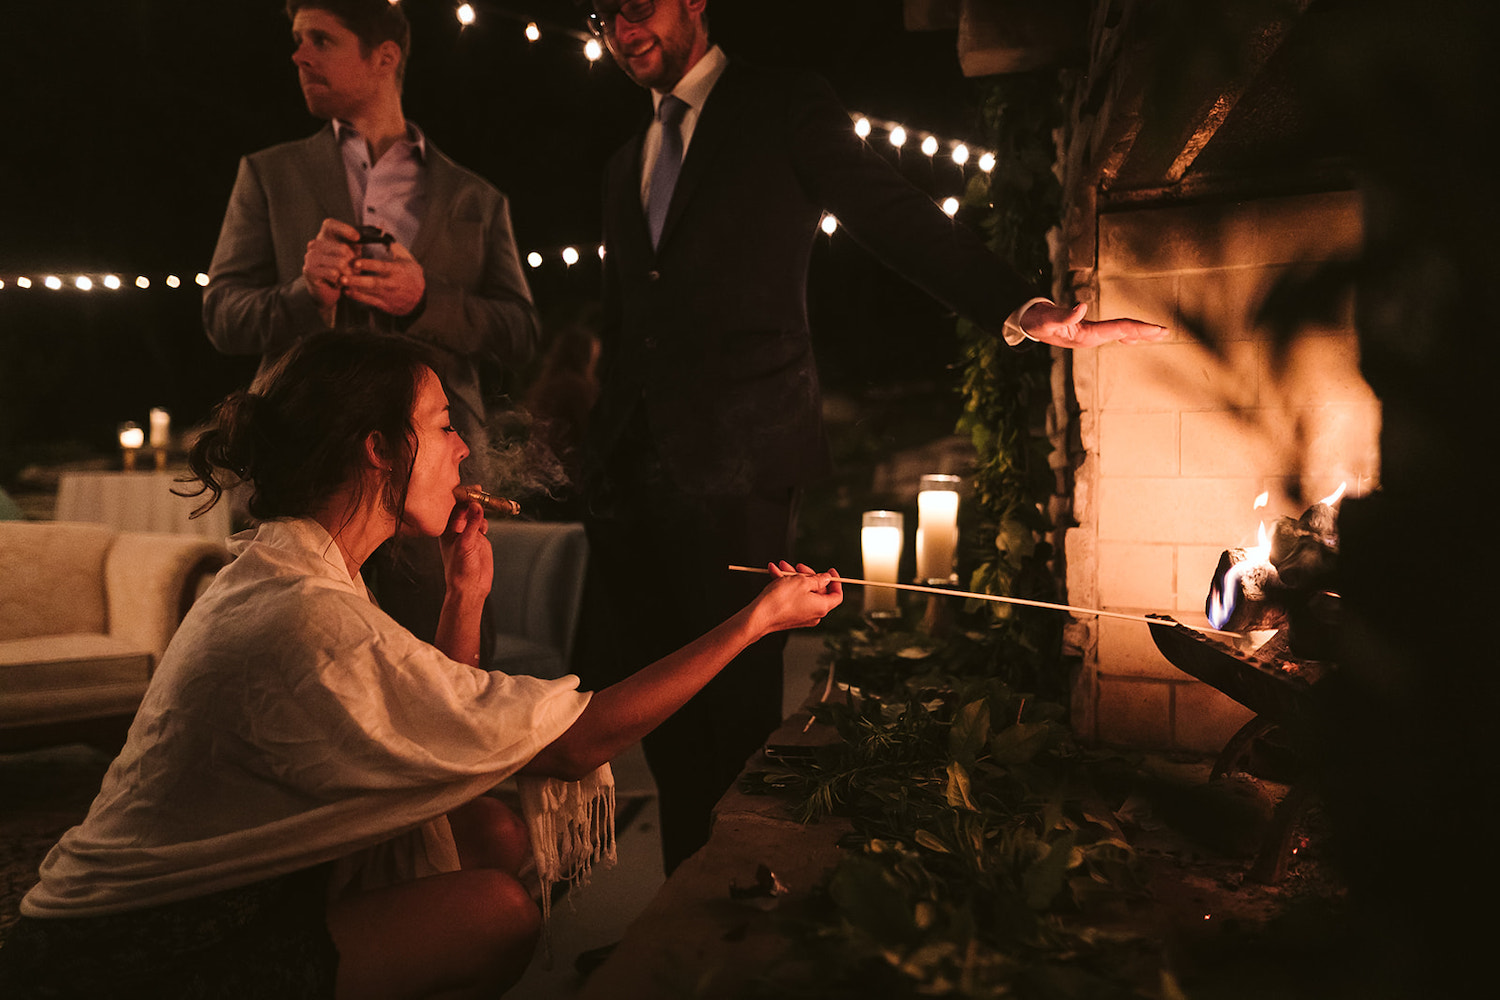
(937, 529)
(880, 540)
(131, 439)
(161, 427)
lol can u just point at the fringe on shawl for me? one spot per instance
(572, 826)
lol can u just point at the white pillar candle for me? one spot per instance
(881, 540)
(937, 528)
(131, 439)
(161, 427)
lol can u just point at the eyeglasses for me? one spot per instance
(602, 18)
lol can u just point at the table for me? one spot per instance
(137, 501)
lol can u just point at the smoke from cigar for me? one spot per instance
(476, 494)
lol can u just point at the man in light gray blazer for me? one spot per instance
(287, 262)
(443, 269)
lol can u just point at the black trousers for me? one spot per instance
(658, 579)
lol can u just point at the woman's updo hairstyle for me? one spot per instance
(298, 434)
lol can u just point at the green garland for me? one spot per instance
(977, 839)
(1006, 392)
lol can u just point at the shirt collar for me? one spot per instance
(695, 85)
(344, 131)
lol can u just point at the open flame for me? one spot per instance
(1335, 496)
(1222, 596)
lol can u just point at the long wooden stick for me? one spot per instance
(995, 597)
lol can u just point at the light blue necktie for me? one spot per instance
(668, 164)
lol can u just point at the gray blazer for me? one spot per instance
(479, 309)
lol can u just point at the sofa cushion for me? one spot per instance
(64, 677)
(52, 578)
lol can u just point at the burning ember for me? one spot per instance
(1286, 580)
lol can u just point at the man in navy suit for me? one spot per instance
(709, 417)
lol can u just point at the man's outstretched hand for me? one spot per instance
(1061, 326)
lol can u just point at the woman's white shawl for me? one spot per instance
(292, 722)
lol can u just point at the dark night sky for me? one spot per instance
(123, 121)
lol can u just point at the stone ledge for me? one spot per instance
(693, 939)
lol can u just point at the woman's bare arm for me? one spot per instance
(622, 713)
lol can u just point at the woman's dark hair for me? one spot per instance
(297, 435)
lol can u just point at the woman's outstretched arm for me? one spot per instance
(622, 713)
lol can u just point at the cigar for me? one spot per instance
(476, 494)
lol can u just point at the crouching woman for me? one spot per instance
(299, 808)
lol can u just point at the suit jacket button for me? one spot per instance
(653, 275)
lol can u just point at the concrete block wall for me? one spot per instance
(1181, 436)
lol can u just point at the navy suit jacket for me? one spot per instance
(708, 332)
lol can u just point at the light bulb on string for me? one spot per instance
(950, 207)
(142, 281)
(83, 283)
(201, 279)
(862, 127)
(465, 14)
(930, 145)
(112, 282)
(569, 256)
(898, 136)
(960, 154)
(53, 282)
(593, 50)
(987, 162)
(23, 282)
(534, 259)
(173, 281)
(829, 223)
(532, 31)
(601, 251)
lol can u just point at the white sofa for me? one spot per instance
(85, 614)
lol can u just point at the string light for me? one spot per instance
(465, 14)
(533, 33)
(864, 126)
(592, 50)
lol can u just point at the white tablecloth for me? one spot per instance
(137, 501)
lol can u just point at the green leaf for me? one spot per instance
(871, 901)
(1044, 879)
(970, 731)
(957, 791)
(1019, 743)
(930, 842)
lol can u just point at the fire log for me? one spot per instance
(1246, 594)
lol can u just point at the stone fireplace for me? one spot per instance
(1191, 186)
(1178, 439)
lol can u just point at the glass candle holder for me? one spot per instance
(881, 537)
(131, 439)
(937, 529)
